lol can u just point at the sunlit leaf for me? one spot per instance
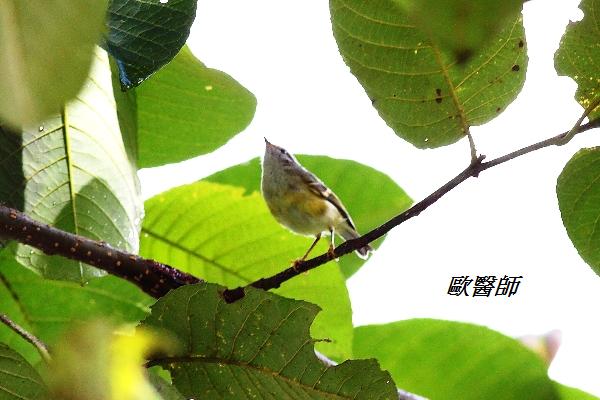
(217, 232)
(453, 360)
(578, 193)
(75, 172)
(425, 97)
(144, 35)
(258, 347)
(46, 52)
(187, 109)
(578, 55)
(18, 379)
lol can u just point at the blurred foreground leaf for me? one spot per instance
(258, 347)
(46, 51)
(451, 360)
(93, 363)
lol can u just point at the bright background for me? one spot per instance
(505, 222)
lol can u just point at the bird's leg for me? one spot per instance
(331, 249)
(312, 246)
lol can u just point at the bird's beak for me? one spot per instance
(267, 142)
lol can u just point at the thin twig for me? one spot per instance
(472, 147)
(19, 330)
(474, 169)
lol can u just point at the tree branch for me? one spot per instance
(474, 169)
(19, 330)
(157, 279)
(152, 277)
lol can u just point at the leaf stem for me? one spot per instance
(19, 330)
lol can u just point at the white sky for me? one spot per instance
(505, 222)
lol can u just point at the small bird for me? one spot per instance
(301, 202)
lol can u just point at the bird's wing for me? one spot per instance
(319, 188)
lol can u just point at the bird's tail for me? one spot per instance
(347, 232)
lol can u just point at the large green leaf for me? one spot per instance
(417, 89)
(578, 192)
(144, 35)
(46, 51)
(218, 233)
(370, 196)
(46, 307)
(461, 27)
(451, 360)
(258, 347)
(76, 173)
(18, 379)
(187, 109)
(578, 55)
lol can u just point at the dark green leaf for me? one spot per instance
(370, 196)
(417, 89)
(452, 360)
(46, 308)
(144, 35)
(258, 347)
(578, 55)
(187, 109)
(18, 379)
(216, 232)
(578, 192)
(75, 172)
(461, 27)
(46, 50)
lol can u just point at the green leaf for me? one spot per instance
(578, 193)
(187, 109)
(569, 393)
(258, 347)
(578, 55)
(417, 89)
(370, 196)
(216, 232)
(46, 52)
(452, 360)
(46, 307)
(18, 379)
(164, 389)
(461, 27)
(144, 35)
(76, 173)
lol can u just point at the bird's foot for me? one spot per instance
(331, 253)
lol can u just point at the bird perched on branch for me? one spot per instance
(301, 202)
